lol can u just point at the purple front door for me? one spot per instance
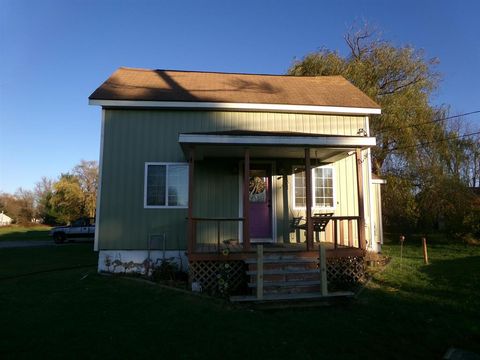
(260, 200)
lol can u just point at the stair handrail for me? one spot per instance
(323, 270)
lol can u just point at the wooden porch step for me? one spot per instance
(286, 283)
(291, 297)
(282, 260)
(285, 271)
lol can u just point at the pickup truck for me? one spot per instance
(83, 228)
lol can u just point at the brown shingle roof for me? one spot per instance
(173, 85)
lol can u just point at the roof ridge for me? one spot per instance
(230, 73)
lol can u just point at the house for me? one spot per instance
(5, 220)
(201, 167)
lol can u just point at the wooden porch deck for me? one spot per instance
(235, 251)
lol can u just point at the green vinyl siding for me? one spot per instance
(134, 137)
(216, 196)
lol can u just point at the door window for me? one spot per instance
(258, 186)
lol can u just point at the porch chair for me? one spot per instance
(295, 227)
(320, 222)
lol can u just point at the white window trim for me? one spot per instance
(167, 164)
(295, 207)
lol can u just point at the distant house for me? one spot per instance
(203, 166)
(5, 220)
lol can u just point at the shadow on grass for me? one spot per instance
(24, 233)
(415, 326)
(457, 280)
(125, 319)
(22, 261)
(411, 313)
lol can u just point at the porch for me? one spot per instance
(274, 157)
(338, 238)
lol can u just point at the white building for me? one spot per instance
(4, 219)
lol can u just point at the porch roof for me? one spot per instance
(269, 144)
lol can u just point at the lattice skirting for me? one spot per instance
(218, 277)
(345, 269)
(229, 277)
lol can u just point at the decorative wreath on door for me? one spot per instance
(257, 189)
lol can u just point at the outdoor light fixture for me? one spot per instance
(361, 131)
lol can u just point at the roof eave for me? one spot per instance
(316, 109)
(330, 148)
(273, 140)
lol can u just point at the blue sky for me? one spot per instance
(53, 54)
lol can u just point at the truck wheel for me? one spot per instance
(59, 238)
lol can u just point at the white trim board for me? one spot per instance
(372, 243)
(236, 106)
(331, 141)
(99, 190)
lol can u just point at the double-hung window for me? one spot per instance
(323, 195)
(166, 185)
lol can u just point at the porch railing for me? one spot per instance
(345, 225)
(340, 230)
(219, 234)
(215, 234)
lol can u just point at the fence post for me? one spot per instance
(218, 236)
(425, 253)
(323, 270)
(259, 271)
(402, 240)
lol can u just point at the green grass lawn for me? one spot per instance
(19, 232)
(24, 261)
(412, 312)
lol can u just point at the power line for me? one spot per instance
(427, 122)
(436, 141)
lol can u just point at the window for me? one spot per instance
(79, 223)
(322, 187)
(300, 196)
(166, 185)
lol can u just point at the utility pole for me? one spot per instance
(476, 166)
